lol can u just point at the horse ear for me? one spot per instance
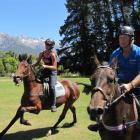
(114, 63)
(96, 61)
(29, 59)
(22, 57)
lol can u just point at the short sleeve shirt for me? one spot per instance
(128, 67)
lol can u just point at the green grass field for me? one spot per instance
(10, 96)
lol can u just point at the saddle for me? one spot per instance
(59, 89)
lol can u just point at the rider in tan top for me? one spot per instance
(49, 70)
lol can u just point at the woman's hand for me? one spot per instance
(44, 66)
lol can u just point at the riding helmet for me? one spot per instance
(128, 30)
(49, 42)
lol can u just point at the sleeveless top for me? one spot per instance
(48, 61)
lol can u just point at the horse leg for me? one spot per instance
(31, 109)
(73, 110)
(62, 116)
(16, 117)
(22, 120)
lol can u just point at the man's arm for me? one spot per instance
(134, 83)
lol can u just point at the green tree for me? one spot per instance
(2, 72)
(76, 45)
(9, 62)
(92, 27)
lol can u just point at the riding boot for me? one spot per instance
(53, 98)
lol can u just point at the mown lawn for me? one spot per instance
(10, 100)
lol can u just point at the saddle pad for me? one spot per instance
(59, 89)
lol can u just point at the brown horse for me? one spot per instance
(34, 99)
(114, 111)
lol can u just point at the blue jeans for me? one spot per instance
(52, 75)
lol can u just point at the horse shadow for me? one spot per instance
(33, 134)
(28, 135)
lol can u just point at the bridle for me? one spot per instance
(97, 88)
(124, 125)
(27, 75)
(17, 77)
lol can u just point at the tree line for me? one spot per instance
(92, 27)
(8, 63)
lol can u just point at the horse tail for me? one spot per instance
(74, 89)
(87, 88)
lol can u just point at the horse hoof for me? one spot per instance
(66, 124)
(28, 123)
(93, 127)
(25, 123)
(49, 133)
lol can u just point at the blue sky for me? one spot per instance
(32, 18)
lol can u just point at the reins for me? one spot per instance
(124, 125)
(95, 89)
(28, 75)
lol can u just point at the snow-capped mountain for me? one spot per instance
(21, 44)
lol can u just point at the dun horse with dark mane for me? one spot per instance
(34, 99)
(114, 111)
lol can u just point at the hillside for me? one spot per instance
(21, 44)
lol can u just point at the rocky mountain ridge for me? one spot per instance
(21, 44)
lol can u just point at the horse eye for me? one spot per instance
(110, 80)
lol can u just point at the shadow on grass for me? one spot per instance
(28, 135)
(34, 133)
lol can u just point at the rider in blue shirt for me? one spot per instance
(128, 63)
(128, 59)
(128, 66)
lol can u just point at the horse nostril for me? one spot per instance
(99, 111)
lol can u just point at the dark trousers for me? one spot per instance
(136, 92)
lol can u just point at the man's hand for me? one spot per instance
(126, 87)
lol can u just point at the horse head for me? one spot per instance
(103, 88)
(23, 68)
